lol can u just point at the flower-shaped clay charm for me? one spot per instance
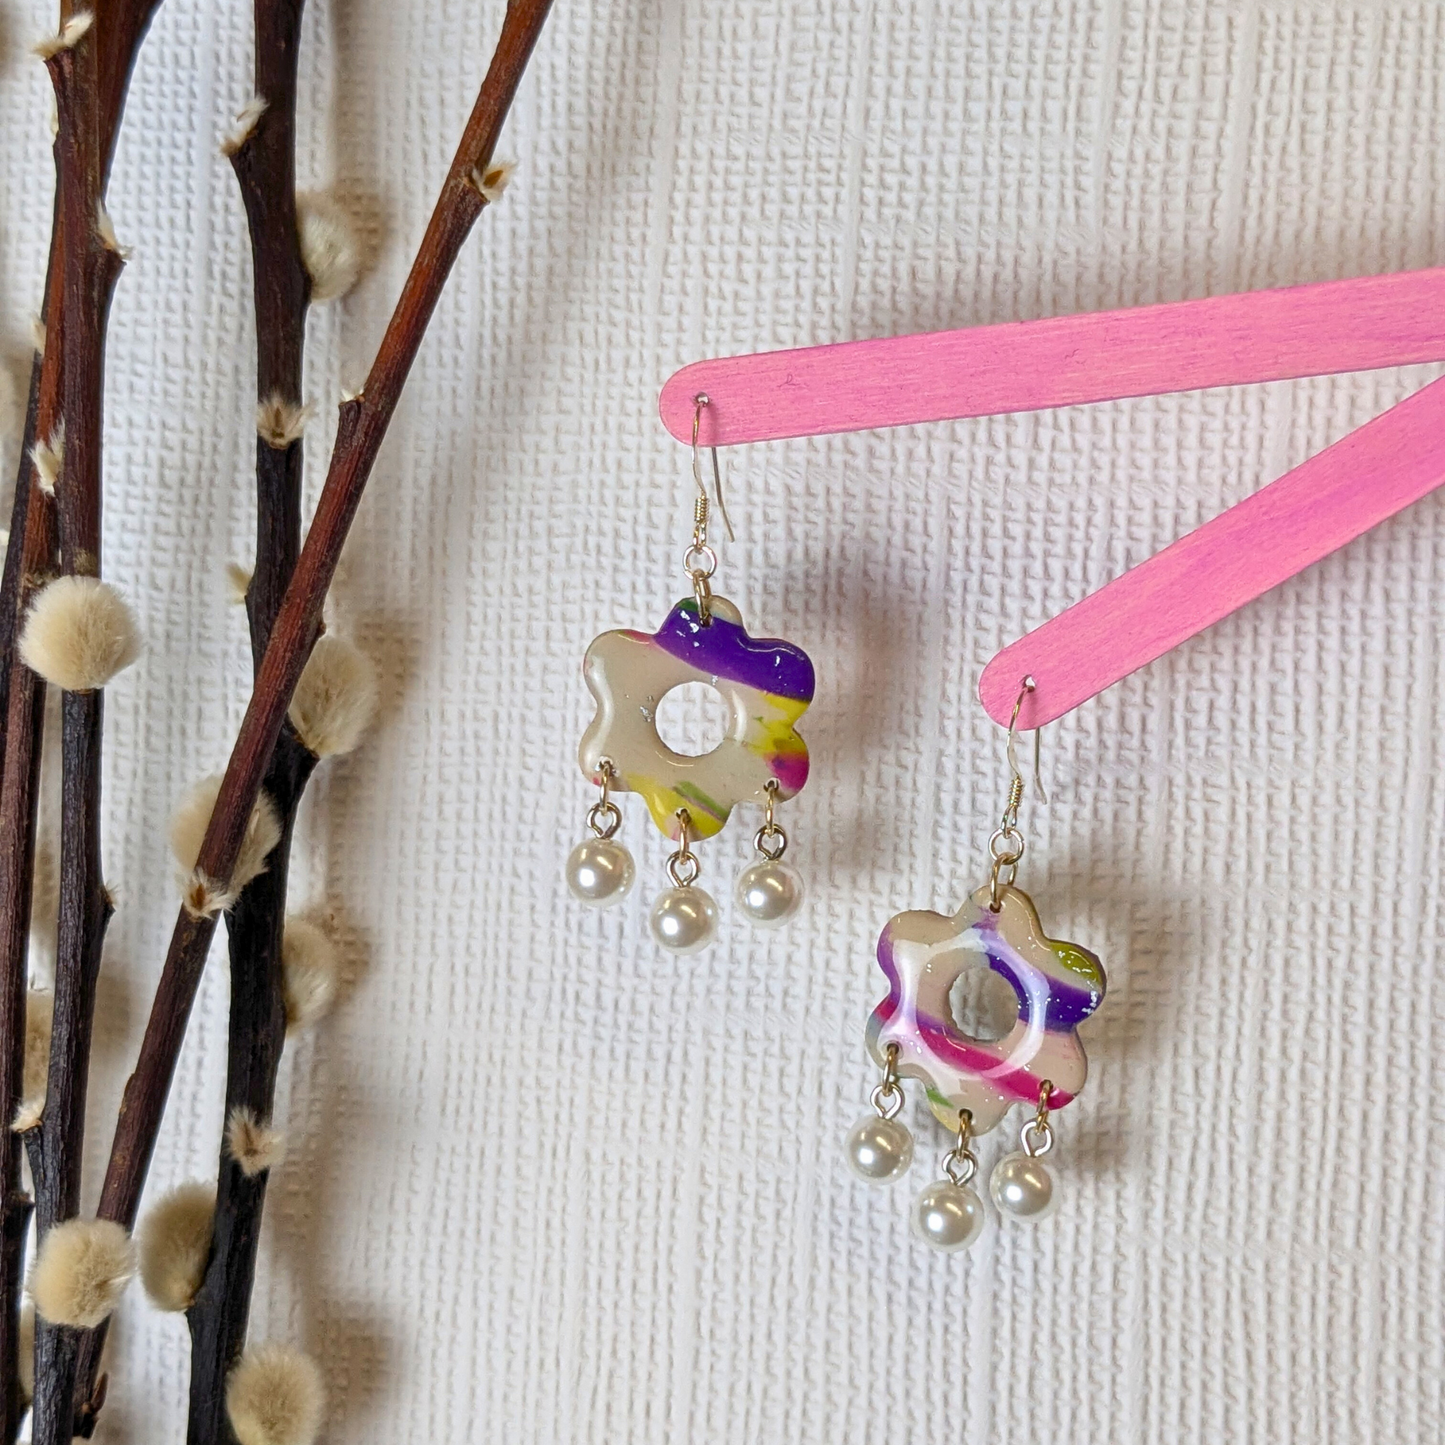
(767, 685)
(1058, 985)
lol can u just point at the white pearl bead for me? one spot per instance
(769, 892)
(684, 920)
(879, 1150)
(599, 872)
(1023, 1188)
(948, 1216)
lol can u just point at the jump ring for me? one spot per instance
(960, 1166)
(1037, 1138)
(604, 818)
(997, 882)
(887, 1098)
(771, 842)
(683, 868)
(694, 556)
(703, 595)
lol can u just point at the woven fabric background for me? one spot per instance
(547, 1185)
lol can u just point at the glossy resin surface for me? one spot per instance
(766, 683)
(1058, 985)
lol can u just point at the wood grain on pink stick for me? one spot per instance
(1262, 541)
(1315, 330)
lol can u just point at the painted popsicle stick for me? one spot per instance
(1260, 542)
(1314, 330)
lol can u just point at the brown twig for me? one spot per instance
(265, 167)
(219, 1315)
(30, 557)
(362, 426)
(11, 611)
(120, 27)
(90, 269)
(19, 791)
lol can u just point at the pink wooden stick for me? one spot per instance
(1262, 541)
(1315, 330)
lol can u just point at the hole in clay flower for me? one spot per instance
(692, 719)
(984, 1004)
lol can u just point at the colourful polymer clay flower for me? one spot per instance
(1058, 985)
(766, 683)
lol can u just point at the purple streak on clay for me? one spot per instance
(725, 649)
(1061, 1004)
(885, 962)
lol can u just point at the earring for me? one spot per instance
(972, 1083)
(880, 1149)
(948, 1214)
(600, 871)
(766, 685)
(770, 891)
(1020, 1185)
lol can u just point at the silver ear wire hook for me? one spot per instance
(1025, 688)
(1006, 846)
(698, 402)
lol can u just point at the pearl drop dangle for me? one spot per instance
(684, 918)
(770, 891)
(879, 1147)
(599, 870)
(948, 1214)
(1021, 1186)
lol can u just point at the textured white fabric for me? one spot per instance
(545, 1185)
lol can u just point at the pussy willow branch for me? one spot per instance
(29, 562)
(265, 167)
(90, 269)
(219, 1315)
(10, 609)
(361, 428)
(19, 791)
(120, 28)
(264, 164)
(30, 558)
